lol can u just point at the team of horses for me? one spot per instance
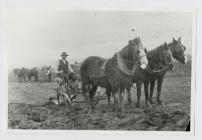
(24, 73)
(133, 64)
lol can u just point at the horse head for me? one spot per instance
(178, 49)
(137, 52)
(165, 56)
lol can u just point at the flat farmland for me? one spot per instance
(28, 109)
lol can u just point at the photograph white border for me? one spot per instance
(193, 11)
(120, 132)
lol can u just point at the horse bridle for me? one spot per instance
(164, 67)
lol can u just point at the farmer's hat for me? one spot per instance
(64, 54)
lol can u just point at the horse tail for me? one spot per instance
(85, 80)
(90, 72)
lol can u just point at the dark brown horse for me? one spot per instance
(177, 50)
(113, 74)
(21, 74)
(156, 71)
(33, 72)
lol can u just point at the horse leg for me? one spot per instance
(19, 78)
(108, 92)
(115, 92)
(58, 95)
(138, 84)
(29, 78)
(152, 85)
(24, 78)
(146, 85)
(36, 78)
(129, 94)
(160, 81)
(92, 94)
(122, 89)
(84, 88)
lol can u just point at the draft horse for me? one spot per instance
(115, 73)
(160, 61)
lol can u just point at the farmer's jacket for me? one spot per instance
(63, 65)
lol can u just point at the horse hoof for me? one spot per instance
(148, 104)
(138, 105)
(119, 109)
(129, 102)
(159, 102)
(109, 104)
(92, 107)
(151, 101)
(114, 109)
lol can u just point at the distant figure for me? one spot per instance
(64, 70)
(49, 74)
(33, 72)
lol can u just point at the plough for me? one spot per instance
(71, 94)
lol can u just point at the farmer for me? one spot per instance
(64, 70)
(49, 73)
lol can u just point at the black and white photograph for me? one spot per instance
(94, 69)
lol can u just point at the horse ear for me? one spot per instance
(179, 39)
(165, 46)
(145, 50)
(174, 39)
(130, 42)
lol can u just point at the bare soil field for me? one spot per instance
(28, 108)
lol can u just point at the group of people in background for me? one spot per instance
(64, 70)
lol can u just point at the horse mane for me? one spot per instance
(153, 55)
(125, 51)
(155, 52)
(133, 41)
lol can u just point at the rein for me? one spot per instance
(164, 67)
(151, 71)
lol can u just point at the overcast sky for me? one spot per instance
(36, 37)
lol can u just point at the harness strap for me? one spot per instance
(151, 71)
(121, 66)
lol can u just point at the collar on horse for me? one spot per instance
(121, 66)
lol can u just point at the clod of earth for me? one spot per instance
(81, 117)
